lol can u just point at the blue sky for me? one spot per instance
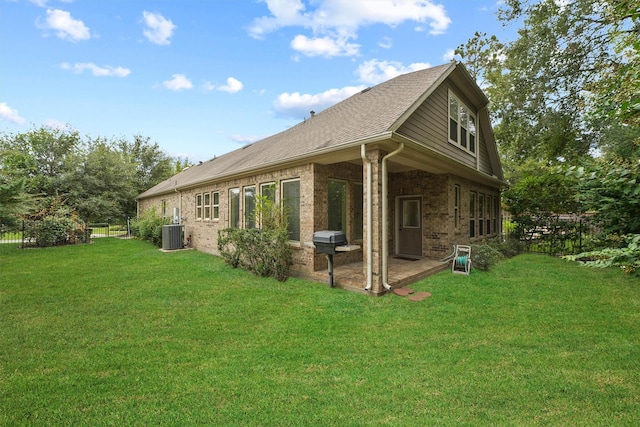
(202, 78)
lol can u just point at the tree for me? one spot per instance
(612, 190)
(42, 157)
(14, 201)
(572, 62)
(99, 179)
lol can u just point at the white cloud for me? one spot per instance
(375, 71)
(339, 20)
(386, 43)
(449, 55)
(10, 114)
(233, 85)
(299, 105)
(208, 86)
(97, 71)
(178, 82)
(65, 26)
(159, 29)
(324, 46)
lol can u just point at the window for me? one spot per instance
(234, 208)
(250, 207)
(456, 206)
(357, 211)
(207, 206)
(268, 191)
(337, 206)
(198, 206)
(453, 118)
(489, 209)
(472, 133)
(496, 212)
(462, 125)
(267, 213)
(216, 205)
(411, 214)
(472, 214)
(291, 205)
(164, 208)
(481, 214)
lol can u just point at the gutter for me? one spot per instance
(383, 136)
(385, 225)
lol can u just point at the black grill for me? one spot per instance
(326, 242)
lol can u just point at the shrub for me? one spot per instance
(264, 252)
(627, 258)
(149, 227)
(484, 256)
(508, 248)
(53, 226)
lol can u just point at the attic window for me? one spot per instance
(462, 125)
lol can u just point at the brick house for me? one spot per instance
(406, 168)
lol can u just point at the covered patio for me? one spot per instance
(402, 271)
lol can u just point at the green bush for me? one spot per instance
(149, 227)
(484, 256)
(508, 248)
(627, 258)
(54, 226)
(264, 252)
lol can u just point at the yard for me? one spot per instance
(119, 333)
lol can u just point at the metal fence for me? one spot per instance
(34, 233)
(567, 234)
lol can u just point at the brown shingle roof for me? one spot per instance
(364, 115)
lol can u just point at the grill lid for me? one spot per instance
(337, 238)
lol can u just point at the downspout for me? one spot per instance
(369, 218)
(385, 225)
(180, 204)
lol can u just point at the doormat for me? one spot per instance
(406, 258)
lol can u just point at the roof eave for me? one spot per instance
(277, 164)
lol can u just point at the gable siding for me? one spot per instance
(429, 126)
(484, 164)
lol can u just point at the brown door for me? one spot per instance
(410, 226)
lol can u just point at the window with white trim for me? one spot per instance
(250, 207)
(462, 125)
(481, 214)
(268, 191)
(496, 211)
(291, 204)
(198, 206)
(216, 204)
(472, 214)
(234, 208)
(489, 213)
(207, 205)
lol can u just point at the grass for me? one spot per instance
(119, 333)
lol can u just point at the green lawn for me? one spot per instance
(119, 333)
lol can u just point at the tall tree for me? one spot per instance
(98, 178)
(571, 62)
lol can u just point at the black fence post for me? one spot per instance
(24, 228)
